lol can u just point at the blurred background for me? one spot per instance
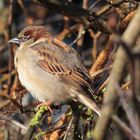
(87, 26)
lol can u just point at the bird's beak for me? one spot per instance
(15, 41)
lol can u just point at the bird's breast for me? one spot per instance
(41, 84)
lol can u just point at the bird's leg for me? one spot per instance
(48, 103)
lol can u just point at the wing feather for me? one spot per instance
(64, 62)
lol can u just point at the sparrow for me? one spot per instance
(50, 69)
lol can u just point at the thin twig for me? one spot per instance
(12, 100)
(129, 112)
(125, 128)
(68, 128)
(129, 36)
(100, 71)
(13, 121)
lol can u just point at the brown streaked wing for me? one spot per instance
(51, 61)
(48, 60)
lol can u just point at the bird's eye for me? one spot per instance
(24, 38)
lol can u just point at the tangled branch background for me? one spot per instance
(106, 35)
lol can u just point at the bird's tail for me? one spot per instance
(91, 104)
(88, 102)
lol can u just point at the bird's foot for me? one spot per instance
(45, 104)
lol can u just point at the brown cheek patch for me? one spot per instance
(37, 36)
(40, 33)
(29, 32)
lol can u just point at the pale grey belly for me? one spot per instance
(42, 85)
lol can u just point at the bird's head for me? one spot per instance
(30, 35)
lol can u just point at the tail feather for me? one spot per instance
(88, 102)
(91, 104)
